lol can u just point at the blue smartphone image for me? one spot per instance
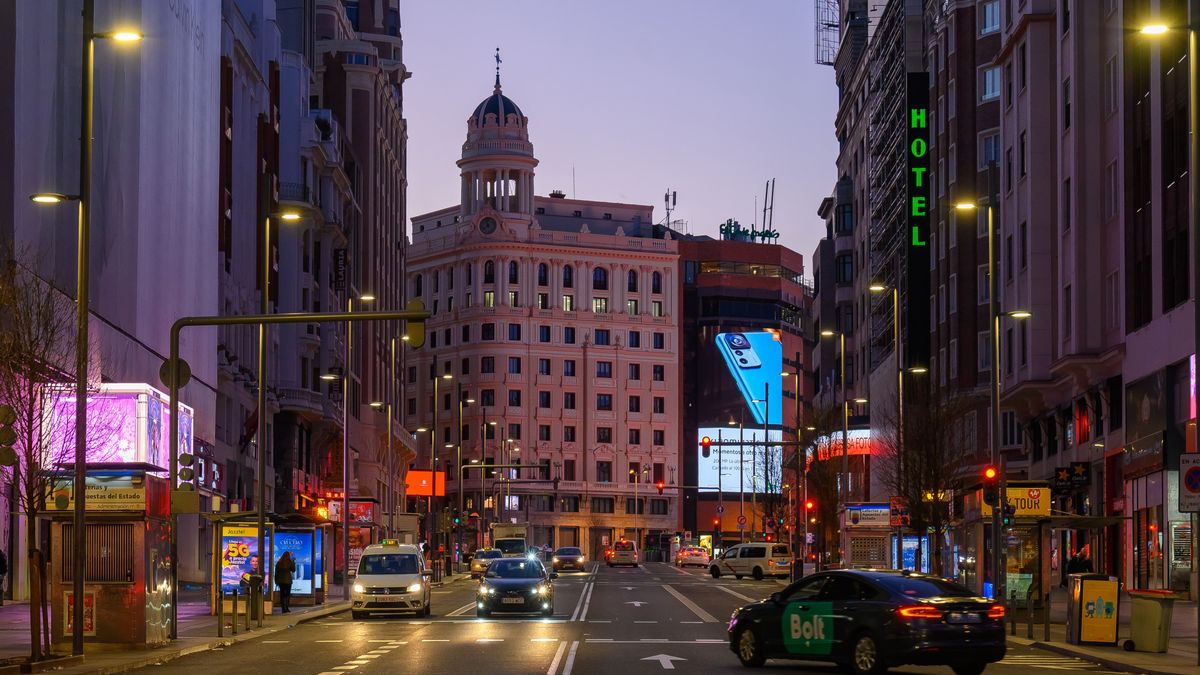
(755, 360)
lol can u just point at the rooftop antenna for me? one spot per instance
(573, 182)
(669, 201)
(770, 224)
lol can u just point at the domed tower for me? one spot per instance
(497, 164)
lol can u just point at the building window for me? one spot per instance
(543, 333)
(487, 331)
(1112, 86)
(656, 308)
(489, 299)
(543, 432)
(514, 332)
(489, 272)
(1008, 165)
(604, 401)
(659, 341)
(1066, 16)
(1023, 244)
(1024, 155)
(1068, 304)
(1111, 190)
(990, 17)
(660, 405)
(569, 504)
(952, 300)
(991, 150)
(635, 404)
(514, 398)
(513, 274)
(514, 432)
(1008, 257)
(543, 399)
(514, 299)
(569, 437)
(660, 437)
(602, 504)
(569, 368)
(465, 367)
(487, 365)
(631, 307)
(514, 365)
(991, 84)
(603, 337)
(1066, 205)
(604, 369)
(568, 303)
(604, 434)
(984, 345)
(543, 366)
(568, 276)
(660, 373)
(635, 506)
(543, 300)
(635, 371)
(844, 269)
(568, 400)
(635, 472)
(599, 279)
(465, 336)
(635, 339)
(953, 368)
(487, 397)
(1067, 103)
(982, 296)
(543, 275)
(655, 282)
(658, 507)
(600, 305)
(632, 284)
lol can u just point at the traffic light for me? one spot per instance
(185, 473)
(716, 523)
(8, 456)
(660, 487)
(457, 518)
(706, 445)
(809, 505)
(991, 487)
(1010, 513)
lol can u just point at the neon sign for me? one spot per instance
(915, 284)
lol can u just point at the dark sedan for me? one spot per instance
(870, 620)
(568, 557)
(516, 585)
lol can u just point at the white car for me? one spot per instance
(624, 553)
(692, 555)
(756, 559)
(390, 578)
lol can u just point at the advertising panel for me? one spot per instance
(868, 515)
(1031, 501)
(750, 467)
(319, 559)
(104, 493)
(300, 545)
(89, 612)
(755, 359)
(419, 484)
(126, 423)
(239, 556)
(1098, 604)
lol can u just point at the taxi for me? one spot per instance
(869, 620)
(692, 555)
(390, 578)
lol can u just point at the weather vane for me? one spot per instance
(498, 62)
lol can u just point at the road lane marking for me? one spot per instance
(274, 642)
(736, 594)
(369, 656)
(557, 657)
(691, 622)
(600, 621)
(344, 667)
(654, 640)
(570, 658)
(490, 640)
(330, 641)
(696, 609)
(609, 641)
(543, 639)
(433, 640)
(579, 602)
(645, 622)
(463, 610)
(384, 641)
(587, 603)
(360, 661)
(681, 571)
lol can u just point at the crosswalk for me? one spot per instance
(1051, 662)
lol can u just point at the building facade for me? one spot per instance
(554, 345)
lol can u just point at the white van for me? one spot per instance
(757, 559)
(390, 578)
(624, 552)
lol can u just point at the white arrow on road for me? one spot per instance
(665, 660)
(628, 588)
(636, 603)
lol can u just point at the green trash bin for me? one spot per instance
(1150, 620)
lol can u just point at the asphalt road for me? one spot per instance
(607, 621)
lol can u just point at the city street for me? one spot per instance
(644, 620)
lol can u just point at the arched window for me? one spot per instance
(512, 272)
(656, 283)
(489, 272)
(543, 275)
(568, 276)
(600, 279)
(632, 281)
(418, 286)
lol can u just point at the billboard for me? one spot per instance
(300, 545)
(239, 555)
(419, 484)
(749, 468)
(755, 360)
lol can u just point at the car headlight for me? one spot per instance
(733, 620)
(581, 558)
(486, 590)
(415, 587)
(554, 559)
(358, 588)
(542, 589)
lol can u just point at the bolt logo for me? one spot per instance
(808, 630)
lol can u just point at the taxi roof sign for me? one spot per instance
(389, 542)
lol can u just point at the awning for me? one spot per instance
(1082, 522)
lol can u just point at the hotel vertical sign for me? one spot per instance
(917, 209)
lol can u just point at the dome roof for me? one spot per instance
(497, 104)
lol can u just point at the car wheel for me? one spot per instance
(715, 572)
(757, 574)
(864, 655)
(749, 649)
(968, 668)
(481, 612)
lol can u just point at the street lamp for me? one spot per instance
(433, 458)
(346, 399)
(844, 483)
(461, 491)
(1194, 213)
(82, 305)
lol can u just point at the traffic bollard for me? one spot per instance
(1012, 612)
(1046, 620)
(235, 596)
(1029, 614)
(220, 614)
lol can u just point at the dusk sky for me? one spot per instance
(709, 98)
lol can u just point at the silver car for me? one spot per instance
(482, 558)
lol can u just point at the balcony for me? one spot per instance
(296, 192)
(302, 400)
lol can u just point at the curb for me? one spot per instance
(1111, 664)
(151, 659)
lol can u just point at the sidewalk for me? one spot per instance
(197, 632)
(1180, 658)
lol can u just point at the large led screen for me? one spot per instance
(745, 464)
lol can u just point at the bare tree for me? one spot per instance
(925, 469)
(821, 475)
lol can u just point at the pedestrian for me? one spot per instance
(1083, 560)
(284, 568)
(3, 573)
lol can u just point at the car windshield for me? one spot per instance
(925, 587)
(510, 546)
(515, 569)
(779, 550)
(568, 551)
(488, 554)
(623, 546)
(389, 563)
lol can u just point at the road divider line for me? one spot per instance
(570, 658)
(329, 641)
(462, 610)
(579, 602)
(696, 609)
(679, 570)
(557, 658)
(587, 603)
(736, 594)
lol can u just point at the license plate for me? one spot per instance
(512, 601)
(962, 617)
(388, 598)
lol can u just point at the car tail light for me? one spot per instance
(996, 612)
(919, 612)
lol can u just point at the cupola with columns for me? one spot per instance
(497, 162)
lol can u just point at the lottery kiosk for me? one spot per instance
(866, 535)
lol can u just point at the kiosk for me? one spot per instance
(866, 535)
(127, 584)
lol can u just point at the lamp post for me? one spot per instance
(801, 475)
(346, 399)
(844, 483)
(741, 474)
(82, 313)
(461, 487)
(433, 458)
(637, 510)
(996, 457)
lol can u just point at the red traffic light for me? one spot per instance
(705, 445)
(809, 504)
(989, 473)
(660, 487)
(716, 522)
